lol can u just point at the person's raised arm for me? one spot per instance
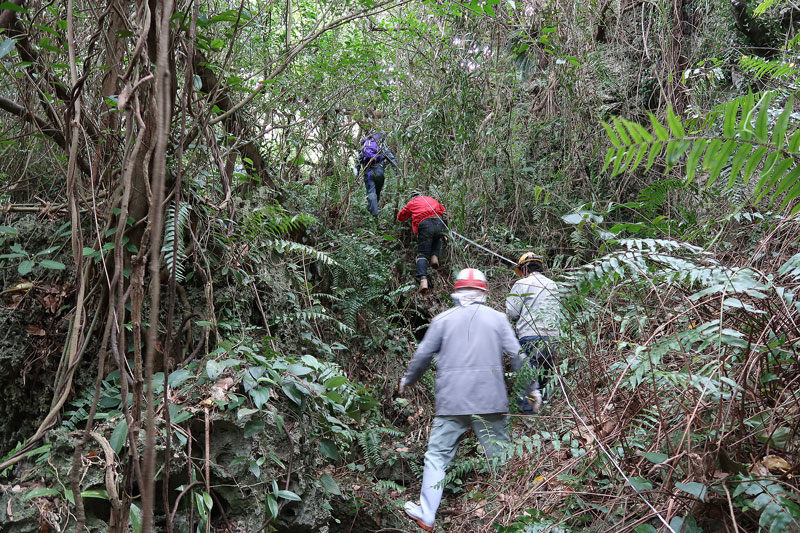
(390, 156)
(514, 303)
(404, 213)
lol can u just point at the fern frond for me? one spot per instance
(754, 137)
(758, 67)
(385, 485)
(174, 250)
(283, 246)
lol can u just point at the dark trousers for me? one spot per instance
(539, 359)
(429, 242)
(373, 181)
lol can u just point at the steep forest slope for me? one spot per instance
(203, 328)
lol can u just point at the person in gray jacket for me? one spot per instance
(533, 304)
(469, 340)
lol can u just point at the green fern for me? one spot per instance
(385, 485)
(174, 250)
(758, 67)
(749, 141)
(371, 446)
(309, 316)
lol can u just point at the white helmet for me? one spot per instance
(471, 278)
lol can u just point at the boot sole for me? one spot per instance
(420, 523)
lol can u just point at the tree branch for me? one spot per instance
(45, 127)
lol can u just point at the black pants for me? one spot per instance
(429, 242)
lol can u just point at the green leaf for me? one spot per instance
(119, 436)
(8, 230)
(675, 125)
(791, 195)
(779, 131)
(651, 157)
(13, 7)
(644, 528)
(25, 267)
(272, 506)
(99, 494)
(53, 265)
(660, 131)
(655, 457)
(632, 130)
(738, 162)
(794, 142)
(721, 159)
(761, 121)
(618, 160)
(729, 122)
(178, 378)
(787, 181)
(609, 158)
(136, 518)
(674, 152)
(754, 160)
(329, 449)
(293, 392)
(299, 370)
(208, 501)
(620, 129)
(611, 135)
(41, 492)
(694, 157)
(770, 180)
(260, 396)
(639, 156)
(766, 171)
(335, 381)
(640, 484)
(695, 489)
(330, 486)
(288, 495)
(713, 148)
(214, 369)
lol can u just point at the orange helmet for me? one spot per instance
(528, 257)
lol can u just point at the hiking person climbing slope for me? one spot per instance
(371, 160)
(426, 222)
(533, 305)
(469, 340)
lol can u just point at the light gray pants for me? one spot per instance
(491, 430)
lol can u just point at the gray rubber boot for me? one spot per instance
(429, 498)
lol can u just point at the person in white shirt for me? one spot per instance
(534, 308)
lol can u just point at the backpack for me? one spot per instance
(371, 151)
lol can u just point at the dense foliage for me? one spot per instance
(204, 328)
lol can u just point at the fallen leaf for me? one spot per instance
(9, 512)
(403, 450)
(759, 470)
(775, 463)
(35, 330)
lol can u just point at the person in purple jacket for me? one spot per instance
(469, 340)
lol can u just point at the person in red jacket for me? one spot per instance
(426, 222)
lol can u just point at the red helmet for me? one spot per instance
(471, 278)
